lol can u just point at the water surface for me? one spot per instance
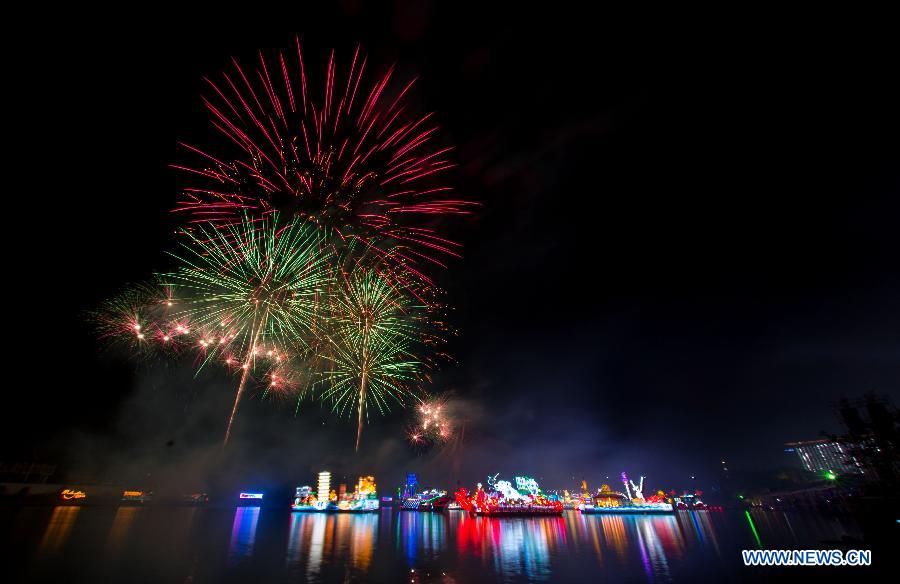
(252, 544)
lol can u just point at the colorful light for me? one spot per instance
(306, 249)
(72, 494)
(324, 485)
(753, 529)
(260, 281)
(505, 499)
(356, 164)
(374, 338)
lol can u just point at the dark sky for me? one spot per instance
(687, 250)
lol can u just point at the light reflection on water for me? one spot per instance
(59, 528)
(121, 525)
(419, 535)
(243, 533)
(272, 544)
(316, 539)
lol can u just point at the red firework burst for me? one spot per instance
(433, 425)
(354, 160)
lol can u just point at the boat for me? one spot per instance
(139, 497)
(573, 501)
(250, 499)
(690, 502)
(606, 501)
(411, 499)
(305, 499)
(502, 499)
(431, 500)
(195, 499)
(364, 498)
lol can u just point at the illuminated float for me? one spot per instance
(137, 497)
(250, 499)
(607, 501)
(363, 499)
(195, 498)
(502, 499)
(72, 495)
(690, 502)
(428, 500)
(433, 500)
(324, 500)
(576, 500)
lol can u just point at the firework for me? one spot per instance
(131, 315)
(311, 224)
(354, 160)
(255, 296)
(248, 293)
(375, 346)
(433, 425)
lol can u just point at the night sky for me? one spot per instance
(687, 249)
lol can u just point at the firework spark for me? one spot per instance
(433, 424)
(356, 161)
(131, 315)
(249, 293)
(312, 223)
(255, 296)
(373, 346)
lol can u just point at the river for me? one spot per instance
(252, 544)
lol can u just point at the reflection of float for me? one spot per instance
(525, 498)
(607, 501)
(363, 499)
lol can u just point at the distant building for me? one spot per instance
(873, 436)
(824, 455)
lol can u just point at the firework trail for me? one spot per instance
(354, 159)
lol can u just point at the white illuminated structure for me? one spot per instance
(324, 487)
(638, 488)
(625, 482)
(506, 489)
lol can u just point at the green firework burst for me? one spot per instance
(371, 345)
(250, 292)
